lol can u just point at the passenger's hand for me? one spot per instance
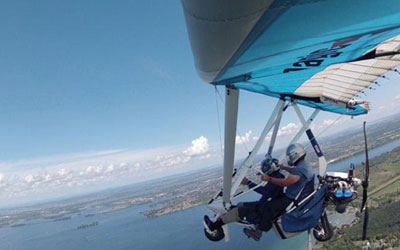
(245, 181)
(286, 168)
(265, 177)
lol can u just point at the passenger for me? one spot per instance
(252, 211)
(300, 174)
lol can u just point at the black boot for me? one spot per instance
(213, 225)
(255, 234)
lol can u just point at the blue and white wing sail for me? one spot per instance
(338, 84)
(303, 49)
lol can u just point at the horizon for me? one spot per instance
(107, 94)
(126, 185)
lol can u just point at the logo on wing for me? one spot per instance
(316, 58)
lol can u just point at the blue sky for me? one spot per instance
(71, 71)
(106, 92)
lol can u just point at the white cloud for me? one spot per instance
(63, 172)
(99, 169)
(397, 99)
(203, 157)
(29, 178)
(244, 139)
(323, 125)
(110, 168)
(289, 129)
(172, 160)
(82, 172)
(90, 169)
(199, 146)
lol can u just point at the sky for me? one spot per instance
(101, 94)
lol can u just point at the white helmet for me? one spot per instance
(295, 152)
(269, 165)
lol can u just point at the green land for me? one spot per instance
(384, 209)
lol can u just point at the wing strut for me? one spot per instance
(309, 240)
(321, 158)
(300, 132)
(275, 132)
(230, 136)
(303, 128)
(248, 162)
(231, 112)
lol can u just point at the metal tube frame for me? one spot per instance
(303, 128)
(301, 131)
(247, 163)
(275, 132)
(231, 112)
(276, 124)
(321, 158)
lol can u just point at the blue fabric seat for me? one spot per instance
(307, 215)
(308, 189)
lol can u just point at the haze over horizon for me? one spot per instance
(36, 180)
(93, 98)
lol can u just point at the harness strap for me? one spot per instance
(294, 201)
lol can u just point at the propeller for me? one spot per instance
(364, 206)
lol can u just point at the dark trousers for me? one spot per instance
(250, 212)
(272, 210)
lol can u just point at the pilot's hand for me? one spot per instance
(245, 181)
(265, 177)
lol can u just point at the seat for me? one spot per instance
(303, 196)
(307, 214)
(307, 190)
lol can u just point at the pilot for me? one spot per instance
(252, 211)
(300, 174)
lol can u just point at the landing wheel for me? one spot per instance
(216, 235)
(324, 230)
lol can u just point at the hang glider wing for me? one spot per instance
(320, 52)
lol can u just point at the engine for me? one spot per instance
(342, 188)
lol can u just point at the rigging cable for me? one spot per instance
(329, 126)
(325, 129)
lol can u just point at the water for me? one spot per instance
(344, 164)
(128, 229)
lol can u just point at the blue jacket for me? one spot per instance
(270, 191)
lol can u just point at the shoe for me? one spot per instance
(209, 223)
(213, 225)
(255, 234)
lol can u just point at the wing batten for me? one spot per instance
(355, 76)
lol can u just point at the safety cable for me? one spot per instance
(329, 126)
